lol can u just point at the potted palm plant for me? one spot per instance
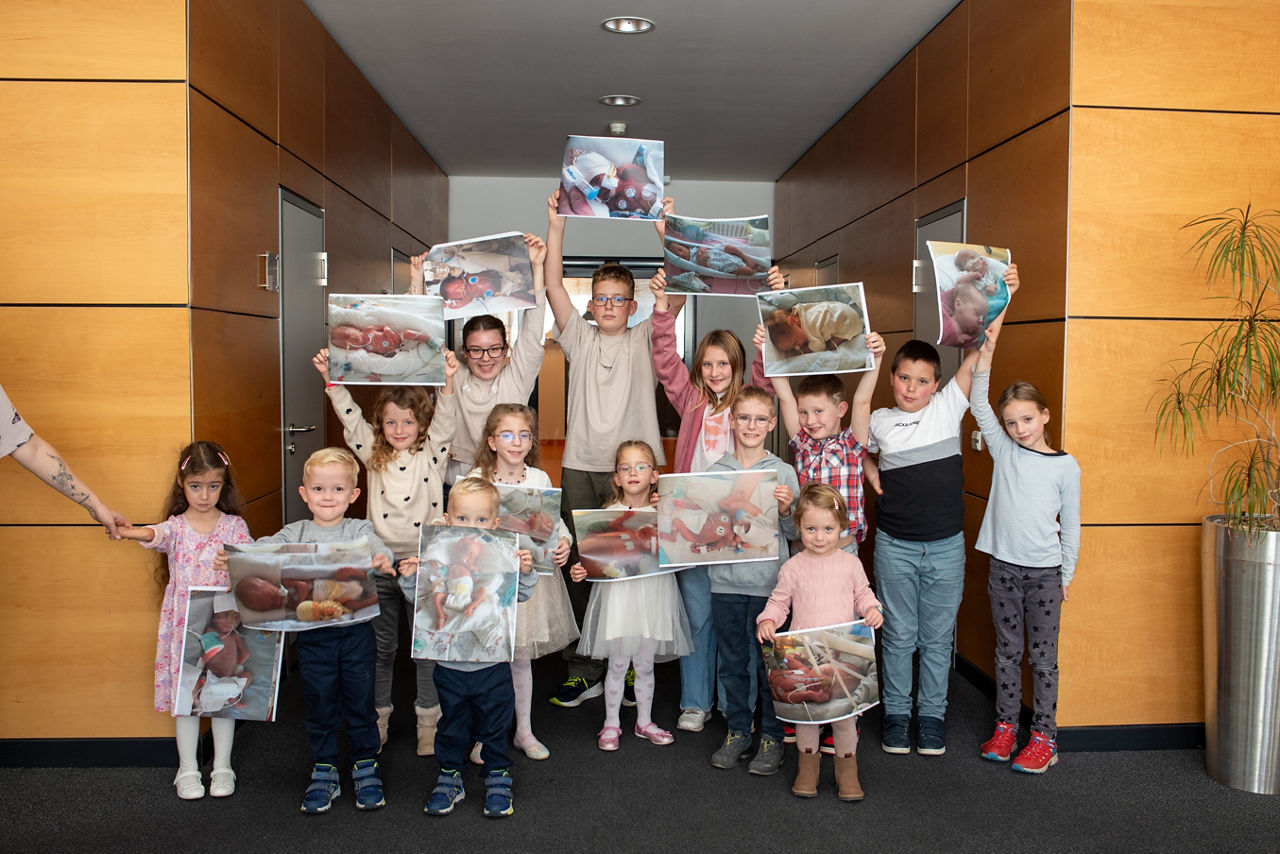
(1227, 394)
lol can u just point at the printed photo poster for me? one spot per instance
(971, 290)
(228, 671)
(821, 675)
(297, 587)
(481, 275)
(532, 514)
(464, 606)
(717, 517)
(820, 330)
(717, 256)
(611, 176)
(614, 545)
(386, 339)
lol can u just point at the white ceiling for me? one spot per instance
(738, 89)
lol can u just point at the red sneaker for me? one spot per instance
(1040, 752)
(999, 746)
(788, 734)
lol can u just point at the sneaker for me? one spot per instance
(497, 794)
(222, 783)
(692, 720)
(828, 743)
(931, 736)
(788, 734)
(324, 788)
(1000, 745)
(446, 794)
(629, 688)
(368, 785)
(736, 745)
(895, 738)
(1040, 752)
(575, 690)
(768, 757)
(188, 785)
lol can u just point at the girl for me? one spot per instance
(1032, 532)
(405, 453)
(822, 586)
(632, 622)
(703, 395)
(544, 622)
(201, 513)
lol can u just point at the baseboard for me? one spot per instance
(88, 752)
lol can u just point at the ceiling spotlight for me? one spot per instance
(619, 100)
(627, 25)
(618, 128)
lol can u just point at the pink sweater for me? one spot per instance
(818, 592)
(687, 400)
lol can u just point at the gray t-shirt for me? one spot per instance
(307, 531)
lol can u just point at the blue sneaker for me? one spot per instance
(446, 794)
(931, 739)
(368, 785)
(323, 790)
(895, 738)
(497, 794)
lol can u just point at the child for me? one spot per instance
(633, 621)
(822, 586)
(201, 513)
(405, 456)
(476, 698)
(544, 622)
(811, 327)
(1032, 532)
(739, 592)
(920, 537)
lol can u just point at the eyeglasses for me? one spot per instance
(508, 436)
(618, 300)
(492, 352)
(638, 468)
(757, 420)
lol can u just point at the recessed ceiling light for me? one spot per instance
(627, 25)
(619, 100)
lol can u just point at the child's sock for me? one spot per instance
(642, 661)
(845, 736)
(522, 682)
(614, 682)
(187, 730)
(224, 734)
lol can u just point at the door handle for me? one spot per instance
(291, 429)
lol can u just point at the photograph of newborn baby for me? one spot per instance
(971, 290)
(533, 515)
(714, 517)
(820, 330)
(614, 545)
(377, 339)
(465, 597)
(821, 675)
(228, 671)
(717, 256)
(607, 176)
(306, 586)
(481, 275)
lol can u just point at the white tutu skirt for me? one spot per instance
(644, 608)
(544, 621)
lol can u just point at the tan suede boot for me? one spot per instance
(427, 720)
(806, 784)
(847, 785)
(384, 719)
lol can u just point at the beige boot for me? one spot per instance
(847, 785)
(806, 784)
(427, 720)
(384, 720)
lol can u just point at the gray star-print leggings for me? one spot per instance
(1031, 597)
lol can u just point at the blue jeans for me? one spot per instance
(741, 671)
(698, 668)
(920, 584)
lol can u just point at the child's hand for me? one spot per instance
(560, 554)
(382, 564)
(577, 572)
(1011, 280)
(775, 279)
(526, 560)
(450, 364)
(417, 281)
(320, 361)
(875, 345)
(142, 534)
(764, 631)
(1065, 597)
(537, 249)
(668, 205)
(873, 617)
(555, 219)
(408, 567)
(758, 338)
(658, 286)
(871, 475)
(220, 561)
(785, 497)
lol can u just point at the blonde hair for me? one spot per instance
(618, 496)
(612, 270)
(487, 458)
(474, 486)
(755, 394)
(820, 496)
(412, 398)
(332, 457)
(729, 343)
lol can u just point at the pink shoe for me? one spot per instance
(654, 733)
(608, 738)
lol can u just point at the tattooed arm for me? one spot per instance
(42, 459)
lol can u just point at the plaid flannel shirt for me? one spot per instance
(837, 462)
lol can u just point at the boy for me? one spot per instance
(477, 701)
(740, 591)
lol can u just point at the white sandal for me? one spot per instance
(189, 785)
(222, 783)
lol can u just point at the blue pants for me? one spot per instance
(475, 705)
(920, 584)
(698, 668)
(337, 665)
(741, 668)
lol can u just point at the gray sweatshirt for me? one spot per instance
(756, 578)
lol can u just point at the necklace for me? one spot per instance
(524, 471)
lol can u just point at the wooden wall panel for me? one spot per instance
(235, 212)
(92, 40)
(438, 212)
(807, 196)
(782, 217)
(236, 393)
(975, 635)
(302, 82)
(878, 160)
(942, 93)
(265, 516)
(357, 132)
(115, 403)
(1190, 55)
(101, 631)
(235, 59)
(877, 250)
(358, 241)
(946, 189)
(297, 176)
(403, 241)
(1018, 198)
(411, 176)
(1019, 67)
(97, 170)
(1137, 176)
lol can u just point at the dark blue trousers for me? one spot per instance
(337, 667)
(475, 705)
(734, 618)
